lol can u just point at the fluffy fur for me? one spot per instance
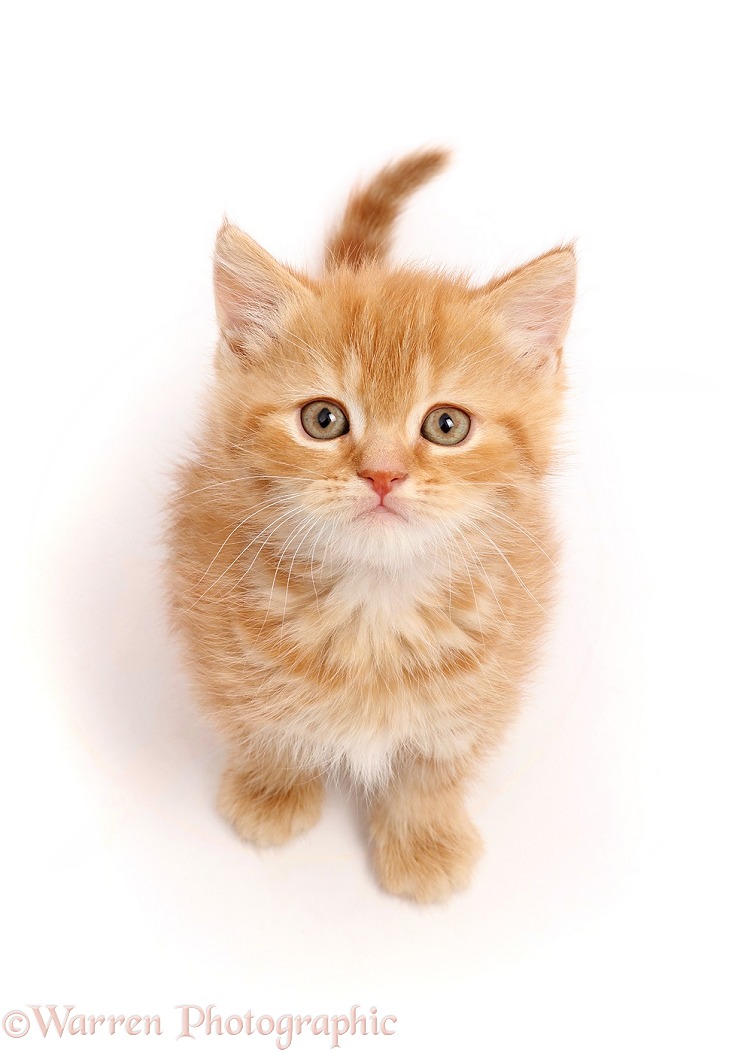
(325, 633)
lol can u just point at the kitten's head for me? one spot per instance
(381, 410)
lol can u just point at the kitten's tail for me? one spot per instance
(366, 227)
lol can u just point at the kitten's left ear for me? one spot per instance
(533, 306)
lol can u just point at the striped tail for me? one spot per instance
(366, 228)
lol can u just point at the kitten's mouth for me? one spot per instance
(380, 511)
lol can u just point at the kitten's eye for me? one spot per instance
(446, 426)
(324, 420)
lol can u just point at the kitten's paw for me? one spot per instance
(269, 816)
(426, 863)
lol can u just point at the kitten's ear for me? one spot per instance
(533, 307)
(252, 290)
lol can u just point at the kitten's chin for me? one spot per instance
(382, 543)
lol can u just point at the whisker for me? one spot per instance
(240, 479)
(512, 522)
(314, 521)
(268, 504)
(293, 533)
(278, 524)
(311, 570)
(486, 578)
(509, 565)
(474, 594)
(278, 521)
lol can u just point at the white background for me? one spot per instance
(608, 912)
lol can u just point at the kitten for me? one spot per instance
(361, 552)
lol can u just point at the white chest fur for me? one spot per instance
(372, 630)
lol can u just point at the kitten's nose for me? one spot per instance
(382, 481)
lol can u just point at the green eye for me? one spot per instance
(446, 426)
(324, 420)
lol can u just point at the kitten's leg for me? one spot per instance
(268, 799)
(424, 844)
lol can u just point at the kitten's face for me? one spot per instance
(384, 412)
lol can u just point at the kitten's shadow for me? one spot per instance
(107, 630)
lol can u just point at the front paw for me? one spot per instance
(269, 815)
(426, 862)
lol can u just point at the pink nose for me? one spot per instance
(382, 481)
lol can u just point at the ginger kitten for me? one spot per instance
(360, 551)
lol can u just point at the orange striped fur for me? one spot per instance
(329, 636)
(366, 227)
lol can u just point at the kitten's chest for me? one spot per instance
(375, 625)
(374, 665)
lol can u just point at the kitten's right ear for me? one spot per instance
(252, 291)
